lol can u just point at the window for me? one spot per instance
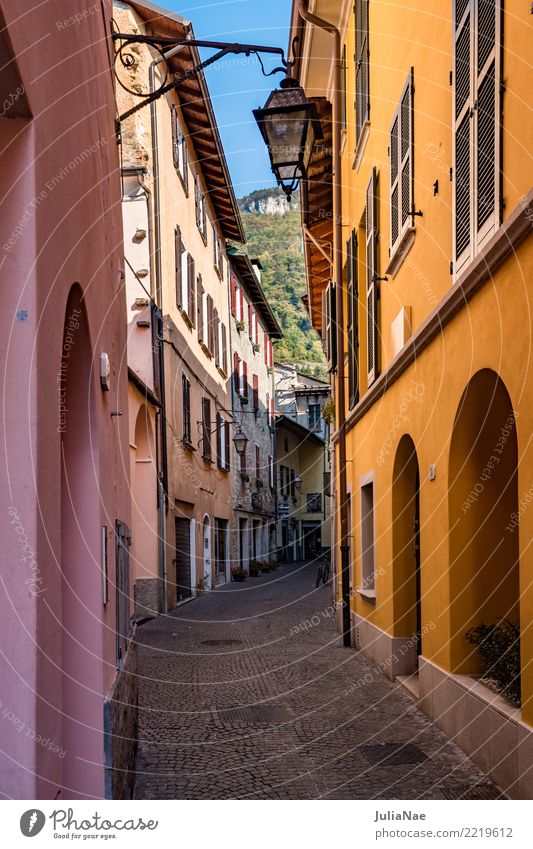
(257, 462)
(203, 324)
(353, 319)
(201, 212)
(253, 323)
(477, 119)
(271, 472)
(367, 538)
(223, 449)
(401, 168)
(185, 279)
(255, 392)
(240, 375)
(179, 150)
(292, 484)
(206, 429)
(269, 354)
(362, 66)
(186, 405)
(329, 326)
(217, 337)
(372, 283)
(313, 414)
(211, 317)
(218, 255)
(314, 502)
(222, 346)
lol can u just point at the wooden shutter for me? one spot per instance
(197, 200)
(178, 252)
(191, 286)
(237, 373)
(220, 458)
(464, 47)
(175, 136)
(353, 321)
(217, 342)
(200, 309)
(206, 428)
(250, 321)
(227, 446)
(233, 291)
(372, 284)
(185, 162)
(401, 166)
(224, 349)
(210, 327)
(186, 400)
(362, 65)
(244, 390)
(329, 326)
(255, 384)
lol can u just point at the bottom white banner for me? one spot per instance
(240, 824)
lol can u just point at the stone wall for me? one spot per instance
(120, 728)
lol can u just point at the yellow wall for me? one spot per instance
(491, 332)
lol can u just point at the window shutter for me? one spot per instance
(329, 327)
(255, 383)
(371, 282)
(175, 137)
(219, 441)
(463, 130)
(210, 328)
(353, 330)
(186, 398)
(200, 310)
(401, 166)
(362, 65)
(224, 349)
(227, 446)
(178, 252)
(191, 284)
(236, 373)
(233, 291)
(241, 302)
(197, 200)
(250, 321)
(487, 120)
(217, 342)
(185, 162)
(206, 428)
(244, 379)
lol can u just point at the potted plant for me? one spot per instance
(259, 483)
(239, 325)
(238, 573)
(498, 645)
(254, 568)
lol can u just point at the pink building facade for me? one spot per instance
(65, 597)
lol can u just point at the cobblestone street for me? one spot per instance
(247, 692)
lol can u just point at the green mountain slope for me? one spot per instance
(275, 238)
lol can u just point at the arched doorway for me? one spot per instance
(206, 546)
(81, 596)
(407, 601)
(483, 495)
(144, 517)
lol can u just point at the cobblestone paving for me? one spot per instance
(248, 692)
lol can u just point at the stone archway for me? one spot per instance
(483, 495)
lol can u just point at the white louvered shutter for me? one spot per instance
(487, 72)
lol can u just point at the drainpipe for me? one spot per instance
(337, 271)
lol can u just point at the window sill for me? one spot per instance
(400, 253)
(255, 348)
(208, 460)
(222, 371)
(183, 183)
(239, 325)
(188, 444)
(367, 595)
(243, 399)
(206, 350)
(360, 147)
(186, 317)
(202, 234)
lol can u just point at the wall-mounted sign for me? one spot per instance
(283, 510)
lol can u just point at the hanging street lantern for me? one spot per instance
(290, 125)
(240, 441)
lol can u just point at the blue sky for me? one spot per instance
(237, 85)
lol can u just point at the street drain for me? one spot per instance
(255, 715)
(393, 754)
(471, 792)
(221, 642)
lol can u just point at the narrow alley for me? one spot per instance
(248, 693)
